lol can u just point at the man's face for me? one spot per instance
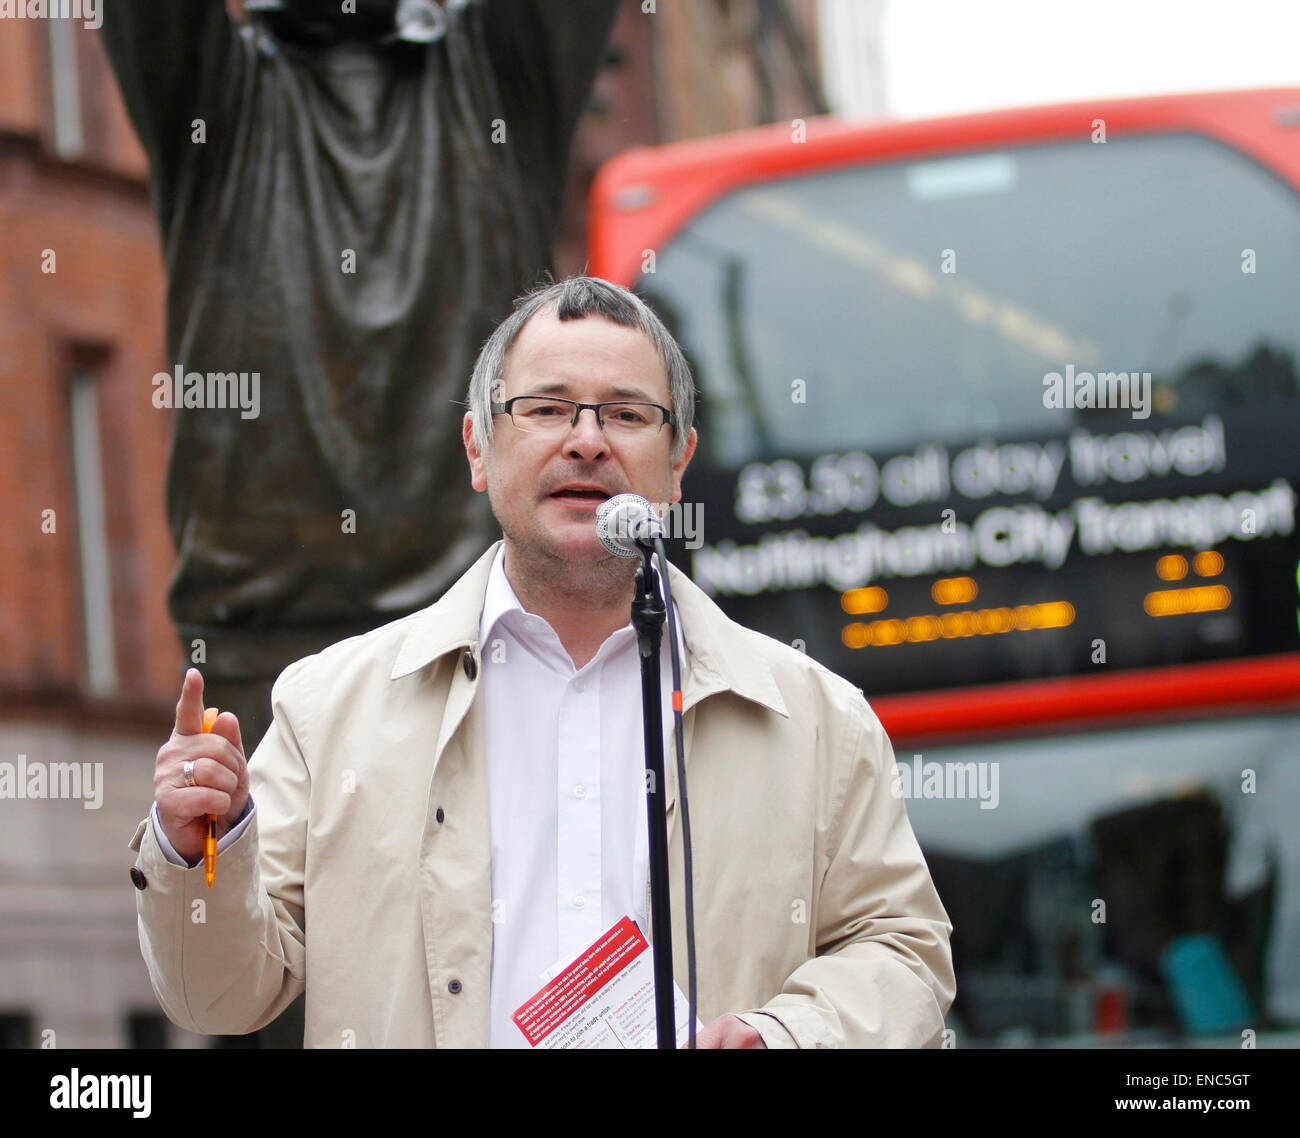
(545, 488)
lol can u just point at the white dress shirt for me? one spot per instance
(566, 776)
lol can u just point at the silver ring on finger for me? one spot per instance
(188, 771)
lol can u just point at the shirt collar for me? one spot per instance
(719, 655)
(500, 599)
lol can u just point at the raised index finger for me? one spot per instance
(189, 711)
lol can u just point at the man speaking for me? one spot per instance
(447, 806)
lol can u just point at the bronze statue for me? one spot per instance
(351, 194)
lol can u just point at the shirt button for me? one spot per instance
(453, 986)
(579, 791)
(439, 815)
(579, 685)
(471, 665)
(579, 901)
(138, 878)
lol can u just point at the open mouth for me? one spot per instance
(580, 494)
(580, 499)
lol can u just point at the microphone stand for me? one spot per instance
(648, 615)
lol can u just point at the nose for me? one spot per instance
(586, 438)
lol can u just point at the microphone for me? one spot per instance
(627, 522)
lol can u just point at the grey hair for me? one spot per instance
(575, 298)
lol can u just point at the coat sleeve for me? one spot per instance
(882, 975)
(228, 960)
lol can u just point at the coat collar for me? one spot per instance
(720, 654)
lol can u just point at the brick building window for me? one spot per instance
(65, 89)
(92, 539)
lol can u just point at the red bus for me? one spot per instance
(1000, 418)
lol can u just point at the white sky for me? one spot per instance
(948, 56)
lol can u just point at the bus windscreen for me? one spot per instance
(1038, 405)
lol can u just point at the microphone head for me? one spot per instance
(624, 521)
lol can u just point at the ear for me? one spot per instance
(477, 463)
(679, 467)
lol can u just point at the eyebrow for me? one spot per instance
(560, 387)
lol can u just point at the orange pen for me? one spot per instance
(210, 842)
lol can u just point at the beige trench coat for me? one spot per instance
(365, 873)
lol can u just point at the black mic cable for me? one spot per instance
(681, 785)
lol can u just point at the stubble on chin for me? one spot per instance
(544, 574)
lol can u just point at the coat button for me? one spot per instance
(453, 986)
(471, 665)
(439, 815)
(138, 878)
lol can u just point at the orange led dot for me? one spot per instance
(1175, 602)
(918, 629)
(1057, 614)
(1208, 563)
(869, 599)
(1172, 567)
(954, 590)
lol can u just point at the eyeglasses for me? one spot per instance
(550, 415)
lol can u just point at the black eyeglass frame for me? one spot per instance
(670, 418)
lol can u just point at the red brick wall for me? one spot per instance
(101, 310)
